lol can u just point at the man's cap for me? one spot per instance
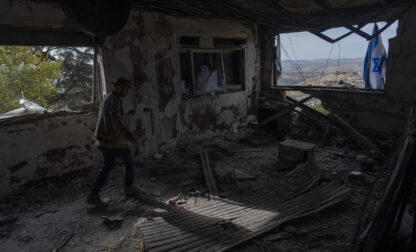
(122, 81)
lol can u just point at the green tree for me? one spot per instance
(27, 69)
(75, 82)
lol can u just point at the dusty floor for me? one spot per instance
(49, 211)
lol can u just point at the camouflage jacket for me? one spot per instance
(110, 131)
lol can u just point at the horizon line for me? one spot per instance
(323, 59)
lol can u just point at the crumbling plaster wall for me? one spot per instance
(386, 113)
(45, 148)
(146, 51)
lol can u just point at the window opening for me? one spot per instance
(186, 74)
(52, 78)
(307, 60)
(234, 69)
(207, 71)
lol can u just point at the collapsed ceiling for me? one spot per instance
(280, 16)
(286, 15)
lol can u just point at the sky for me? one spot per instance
(307, 46)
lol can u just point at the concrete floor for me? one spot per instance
(48, 210)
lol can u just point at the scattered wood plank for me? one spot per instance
(256, 141)
(209, 177)
(64, 240)
(285, 110)
(224, 150)
(320, 122)
(287, 235)
(247, 150)
(357, 135)
(307, 108)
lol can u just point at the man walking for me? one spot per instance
(112, 139)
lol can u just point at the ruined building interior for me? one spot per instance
(226, 159)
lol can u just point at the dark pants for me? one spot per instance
(108, 156)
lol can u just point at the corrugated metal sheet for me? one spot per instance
(225, 223)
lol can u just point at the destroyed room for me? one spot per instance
(222, 125)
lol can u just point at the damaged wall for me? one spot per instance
(401, 64)
(45, 148)
(146, 51)
(366, 110)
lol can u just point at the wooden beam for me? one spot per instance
(357, 135)
(320, 122)
(285, 110)
(209, 177)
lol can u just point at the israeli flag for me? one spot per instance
(277, 58)
(375, 63)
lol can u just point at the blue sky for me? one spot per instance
(308, 46)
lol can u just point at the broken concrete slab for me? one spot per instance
(296, 152)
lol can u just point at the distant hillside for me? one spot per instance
(317, 65)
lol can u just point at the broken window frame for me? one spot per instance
(194, 81)
(99, 83)
(220, 51)
(98, 90)
(274, 79)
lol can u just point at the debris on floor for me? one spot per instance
(112, 223)
(296, 152)
(241, 192)
(252, 214)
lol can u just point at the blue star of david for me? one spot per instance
(377, 64)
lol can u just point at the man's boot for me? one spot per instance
(94, 199)
(133, 191)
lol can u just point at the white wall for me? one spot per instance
(45, 148)
(146, 52)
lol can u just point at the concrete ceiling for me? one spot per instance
(284, 15)
(279, 16)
